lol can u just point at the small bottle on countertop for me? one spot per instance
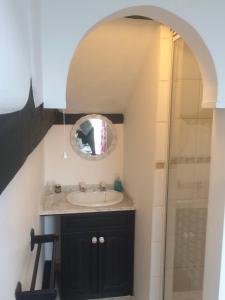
(58, 188)
(118, 184)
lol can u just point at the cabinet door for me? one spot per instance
(79, 266)
(116, 262)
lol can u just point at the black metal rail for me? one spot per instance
(46, 294)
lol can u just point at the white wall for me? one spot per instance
(139, 155)
(19, 206)
(15, 56)
(105, 68)
(78, 17)
(74, 169)
(20, 59)
(35, 51)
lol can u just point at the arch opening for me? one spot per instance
(193, 40)
(181, 27)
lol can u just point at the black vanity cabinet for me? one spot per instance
(97, 255)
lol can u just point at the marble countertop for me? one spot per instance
(57, 204)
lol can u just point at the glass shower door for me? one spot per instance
(188, 180)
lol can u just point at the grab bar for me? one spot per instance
(45, 294)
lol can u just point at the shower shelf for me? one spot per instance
(46, 293)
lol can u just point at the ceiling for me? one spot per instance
(106, 66)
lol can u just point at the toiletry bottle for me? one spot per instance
(58, 188)
(118, 184)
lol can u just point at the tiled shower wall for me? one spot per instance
(188, 180)
(160, 175)
(190, 231)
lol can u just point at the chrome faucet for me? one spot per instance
(102, 186)
(82, 186)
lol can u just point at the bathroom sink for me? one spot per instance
(95, 198)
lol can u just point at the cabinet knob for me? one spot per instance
(94, 240)
(101, 240)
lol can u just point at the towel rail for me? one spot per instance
(45, 294)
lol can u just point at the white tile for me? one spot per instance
(204, 137)
(161, 141)
(163, 103)
(156, 288)
(171, 226)
(159, 198)
(185, 62)
(202, 178)
(184, 137)
(158, 221)
(186, 98)
(192, 295)
(183, 182)
(204, 112)
(169, 284)
(163, 260)
(170, 252)
(190, 66)
(165, 61)
(165, 32)
(178, 59)
(156, 259)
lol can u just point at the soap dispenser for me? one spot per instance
(118, 184)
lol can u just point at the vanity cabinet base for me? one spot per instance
(97, 251)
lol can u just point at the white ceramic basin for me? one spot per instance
(95, 198)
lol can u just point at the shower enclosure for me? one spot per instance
(188, 180)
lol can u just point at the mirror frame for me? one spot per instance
(75, 146)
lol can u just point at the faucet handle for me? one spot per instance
(102, 186)
(82, 186)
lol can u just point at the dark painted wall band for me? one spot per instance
(73, 118)
(20, 133)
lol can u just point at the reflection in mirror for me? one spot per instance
(93, 137)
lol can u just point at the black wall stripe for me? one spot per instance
(73, 118)
(20, 133)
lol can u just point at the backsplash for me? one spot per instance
(49, 188)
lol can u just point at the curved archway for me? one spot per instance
(188, 33)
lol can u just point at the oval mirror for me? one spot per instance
(93, 137)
